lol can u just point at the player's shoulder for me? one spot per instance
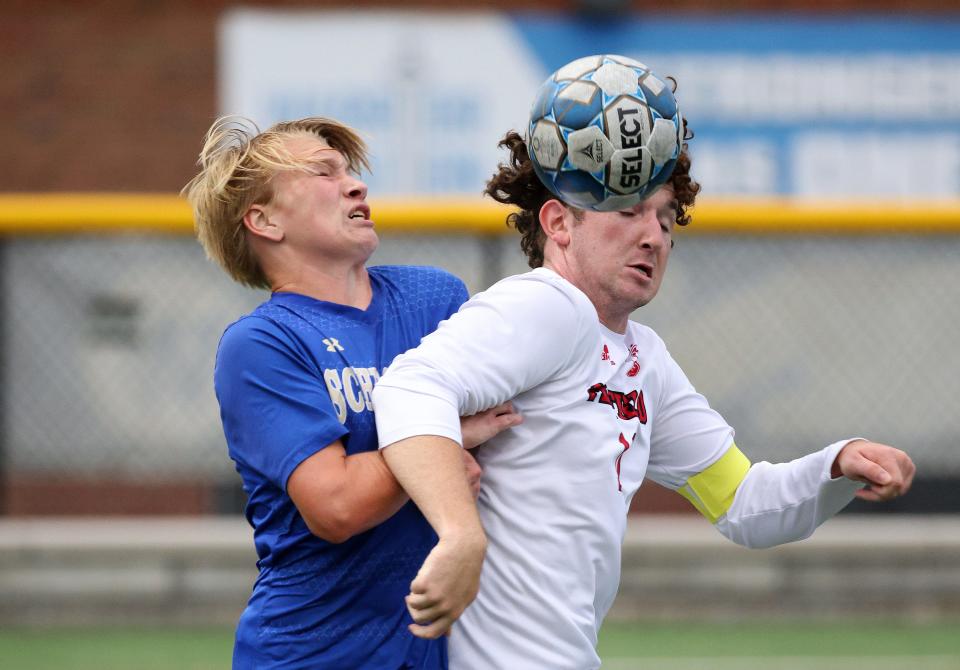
(542, 301)
(645, 335)
(276, 320)
(654, 351)
(420, 285)
(545, 287)
(649, 342)
(414, 276)
(250, 331)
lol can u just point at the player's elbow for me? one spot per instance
(758, 532)
(335, 524)
(328, 532)
(754, 543)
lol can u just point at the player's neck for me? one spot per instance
(617, 324)
(344, 286)
(609, 314)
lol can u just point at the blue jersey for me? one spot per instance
(292, 377)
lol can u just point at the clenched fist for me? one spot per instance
(888, 472)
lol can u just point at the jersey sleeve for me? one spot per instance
(275, 407)
(502, 342)
(429, 294)
(784, 502)
(687, 437)
(456, 294)
(755, 505)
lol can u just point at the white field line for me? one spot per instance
(784, 663)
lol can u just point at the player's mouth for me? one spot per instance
(644, 268)
(360, 212)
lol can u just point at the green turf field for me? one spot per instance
(782, 646)
(767, 646)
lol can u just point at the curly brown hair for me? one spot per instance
(516, 183)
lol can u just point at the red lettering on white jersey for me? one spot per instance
(635, 366)
(627, 405)
(626, 445)
(605, 355)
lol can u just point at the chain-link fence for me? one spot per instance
(108, 346)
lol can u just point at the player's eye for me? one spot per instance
(667, 219)
(323, 169)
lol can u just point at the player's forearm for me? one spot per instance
(342, 496)
(430, 469)
(785, 502)
(375, 493)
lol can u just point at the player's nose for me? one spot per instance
(355, 188)
(651, 232)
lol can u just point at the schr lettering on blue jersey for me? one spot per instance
(350, 387)
(292, 377)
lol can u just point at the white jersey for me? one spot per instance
(601, 411)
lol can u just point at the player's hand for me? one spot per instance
(447, 582)
(480, 427)
(474, 472)
(887, 471)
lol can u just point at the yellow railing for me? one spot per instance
(81, 213)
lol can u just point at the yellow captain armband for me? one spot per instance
(712, 490)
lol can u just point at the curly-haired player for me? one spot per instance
(604, 406)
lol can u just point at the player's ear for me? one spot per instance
(555, 220)
(259, 222)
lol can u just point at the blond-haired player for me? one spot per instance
(337, 540)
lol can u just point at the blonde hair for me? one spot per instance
(237, 166)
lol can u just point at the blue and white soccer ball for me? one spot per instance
(604, 133)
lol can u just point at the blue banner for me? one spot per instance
(831, 107)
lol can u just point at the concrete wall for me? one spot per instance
(199, 572)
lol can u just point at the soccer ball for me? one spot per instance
(604, 133)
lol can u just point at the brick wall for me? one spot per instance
(103, 98)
